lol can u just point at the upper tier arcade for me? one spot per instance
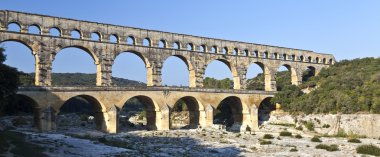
(153, 47)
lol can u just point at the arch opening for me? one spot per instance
(190, 47)
(131, 40)
(214, 49)
(283, 77)
(229, 113)
(82, 70)
(147, 42)
(185, 114)
(178, 71)
(54, 31)
(176, 45)
(138, 113)
(14, 27)
(34, 29)
(129, 69)
(256, 77)
(308, 73)
(23, 111)
(162, 44)
(219, 74)
(225, 50)
(114, 38)
(202, 48)
(75, 34)
(265, 109)
(95, 36)
(24, 62)
(82, 111)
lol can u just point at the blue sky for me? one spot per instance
(346, 28)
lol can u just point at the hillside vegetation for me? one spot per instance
(346, 87)
(76, 79)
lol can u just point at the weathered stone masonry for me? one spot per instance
(196, 52)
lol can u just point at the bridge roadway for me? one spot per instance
(158, 102)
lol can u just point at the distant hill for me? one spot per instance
(76, 79)
(349, 86)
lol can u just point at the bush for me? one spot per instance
(368, 149)
(299, 127)
(341, 133)
(310, 126)
(264, 142)
(326, 126)
(268, 136)
(298, 136)
(315, 139)
(285, 133)
(293, 150)
(329, 148)
(354, 140)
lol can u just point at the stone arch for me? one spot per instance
(37, 26)
(27, 104)
(77, 31)
(177, 45)
(16, 23)
(163, 42)
(149, 106)
(264, 109)
(294, 76)
(55, 28)
(148, 40)
(99, 35)
(194, 108)
(308, 72)
(229, 112)
(89, 52)
(233, 70)
(265, 73)
(190, 46)
(192, 79)
(214, 49)
(131, 40)
(34, 53)
(97, 109)
(148, 67)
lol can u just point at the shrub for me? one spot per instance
(326, 126)
(329, 148)
(268, 136)
(299, 127)
(285, 133)
(298, 136)
(264, 142)
(293, 150)
(354, 140)
(315, 139)
(368, 149)
(310, 126)
(341, 133)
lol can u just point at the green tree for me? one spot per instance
(9, 81)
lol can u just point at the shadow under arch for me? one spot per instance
(190, 68)
(230, 113)
(148, 111)
(148, 67)
(233, 71)
(265, 108)
(189, 107)
(294, 79)
(23, 105)
(308, 73)
(85, 105)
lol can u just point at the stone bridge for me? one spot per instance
(153, 47)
